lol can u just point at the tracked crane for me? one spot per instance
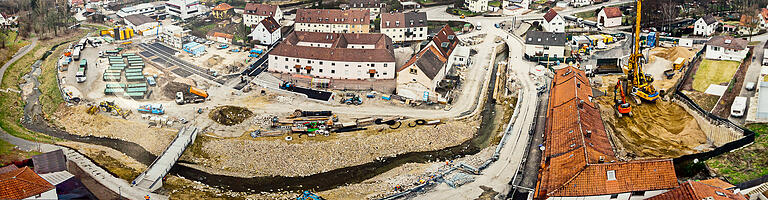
(641, 82)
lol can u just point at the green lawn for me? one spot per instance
(747, 163)
(588, 15)
(494, 3)
(714, 72)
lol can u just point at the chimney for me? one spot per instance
(581, 104)
(601, 159)
(588, 134)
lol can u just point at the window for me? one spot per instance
(413, 71)
(614, 196)
(333, 71)
(321, 62)
(385, 65)
(359, 66)
(611, 175)
(320, 70)
(286, 67)
(333, 64)
(275, 57)
(638, 193)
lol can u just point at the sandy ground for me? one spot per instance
(218, 59)
(247, 157)
(656, 130)
(76, 121)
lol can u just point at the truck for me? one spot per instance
(194, 95)
(80, 76)
(152, 108)
(739, 106)
(76, 53)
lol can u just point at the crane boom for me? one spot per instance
(640, 81)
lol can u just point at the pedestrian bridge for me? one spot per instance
(152, 179)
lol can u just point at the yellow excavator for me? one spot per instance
(641, 82)
(108, 107)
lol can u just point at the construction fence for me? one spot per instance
(723, 133)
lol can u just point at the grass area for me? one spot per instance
(114, 166)
(466, 13)
(49, 86)
(714, 72)
(12, 111)
(747, 163)
(96, 26)
(426, 1)
(455, 25)
(704, 100)
(494, 3)
(10, 153)
(588, 15)
(753, 43)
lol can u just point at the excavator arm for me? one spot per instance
(641, 82)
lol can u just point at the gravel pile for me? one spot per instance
(302, 157)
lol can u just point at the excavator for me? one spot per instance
(621, 104)
(641, 83)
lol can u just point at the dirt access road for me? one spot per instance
(23, 51)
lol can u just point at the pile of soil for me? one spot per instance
(177, 85)
(655, 130)
(230, 115)
(673, 53)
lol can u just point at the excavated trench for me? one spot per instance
(34, 120)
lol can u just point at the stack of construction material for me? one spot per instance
(136, 90)
(114, 89)
(135, 71)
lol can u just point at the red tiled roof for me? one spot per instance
(443, 36)
(270, 24)
(338, 51)
(716, 182)
(333, 16)
(551, 14)
(612, 12)
(764, 13)
(222, 7)
(579, 153)
(220, 34)
(430, 61)
(22, 183)
(694, 190)
(260, 9)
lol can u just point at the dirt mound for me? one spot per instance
(673, 53)
(230, 115)
(656, 130)
(177, 85)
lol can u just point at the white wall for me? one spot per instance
(701, 28)
(398, 34)
(252, 19)
(609, 22)
(553, 51)
(720, 53)
(50, 194)
(332, 69)
(327, 28)
(477, 6)
(622, 196)
(556, 25)
(263, 36)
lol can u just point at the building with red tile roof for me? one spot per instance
(720, 183)
(422, 73)
(23, 183)
(579, 160)
(222, 11)
(695, 190)
(332, 21)
(609, 17)
(254, 13)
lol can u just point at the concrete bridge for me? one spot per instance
(151, 179)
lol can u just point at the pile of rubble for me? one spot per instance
(230, 115)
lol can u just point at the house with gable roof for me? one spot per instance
(609, 17)
(267, 32)
(553, 22)
(705, 26)
(421, 75)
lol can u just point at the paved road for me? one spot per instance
(753, 74)
(163, 53)
(498, 175)
(23, 51)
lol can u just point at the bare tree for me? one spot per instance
(669, 12)
(749, 10)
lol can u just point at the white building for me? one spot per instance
(726, 48)
(335, 55)
(553, 22)
(478, 6)
(332, 21)
(422, 74)
(763, 15)
(149, 9)
(254, 13)
(374, 6)
(705, 26)
(184, 9)
(23, 183)
(142, 24)
(173, 35)
(401, 27)
(609, 17)
(267, 32)
(545, 44)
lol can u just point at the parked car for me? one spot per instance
(739, 106)
(750, 86)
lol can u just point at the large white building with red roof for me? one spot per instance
(354, 56)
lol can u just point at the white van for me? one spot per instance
(739, 106)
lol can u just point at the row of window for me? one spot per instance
(309, 19)
(333, 71)
(309, 61)
(410, 29)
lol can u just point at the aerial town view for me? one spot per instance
(384, 99)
